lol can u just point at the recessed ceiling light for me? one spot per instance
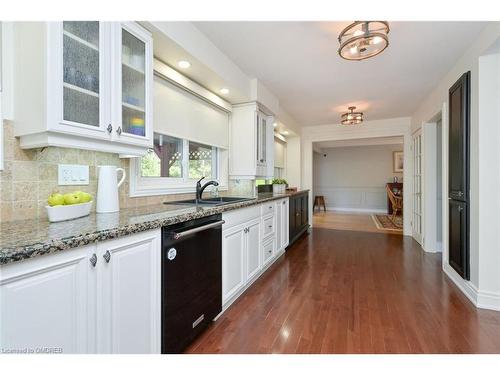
(184, 64)
(224, 91)
(275, 125)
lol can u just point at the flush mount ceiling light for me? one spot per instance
(184, 64)
(224, 91)
(351, 117)
(363, 39)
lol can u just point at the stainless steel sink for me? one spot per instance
(211, 201)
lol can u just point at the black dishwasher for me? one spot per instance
(191, 275)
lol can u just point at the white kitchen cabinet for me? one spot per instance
(282, 218)
(49, 303)
(83, 84)
(233, 261)
(130, 294)
(86, 300)
(268, 251)
(252, 249)
(252, 138)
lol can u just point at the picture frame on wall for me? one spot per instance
(398, 161)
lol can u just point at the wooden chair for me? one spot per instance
(319, 200)
(396, 202)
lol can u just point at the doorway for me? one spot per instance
(417, 187)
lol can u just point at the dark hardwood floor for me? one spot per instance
(353, 292)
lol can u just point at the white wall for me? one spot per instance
(293, 162)
(354, 178)
(484, 151)
(395, 127)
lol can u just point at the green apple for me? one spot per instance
(86, 198)
(55, 199)
(71, 198)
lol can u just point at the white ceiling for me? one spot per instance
(298, 62)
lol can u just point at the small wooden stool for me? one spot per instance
(319, 200)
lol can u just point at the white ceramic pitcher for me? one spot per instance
(107, 188)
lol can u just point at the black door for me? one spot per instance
(458, 253)
(459, 100)
(459, 172)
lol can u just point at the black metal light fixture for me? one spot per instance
(351, 117)
(363, 39)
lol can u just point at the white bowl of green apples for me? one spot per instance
(68, 206)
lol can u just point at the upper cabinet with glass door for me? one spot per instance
(84, 84)
(82, 71)
(134, 82)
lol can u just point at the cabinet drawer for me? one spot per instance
(267, 208)
(268, 226)
(268, 249)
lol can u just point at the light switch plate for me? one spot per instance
(73, 174)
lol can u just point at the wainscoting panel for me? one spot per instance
(354, 198)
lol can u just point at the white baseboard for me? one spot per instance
(480, 299)
(367, 210)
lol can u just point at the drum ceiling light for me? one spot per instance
(351, 117)
(363, 39)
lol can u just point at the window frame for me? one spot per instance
(148, 186)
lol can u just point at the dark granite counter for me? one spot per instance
(30, 238)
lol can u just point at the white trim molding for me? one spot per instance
(480, 299)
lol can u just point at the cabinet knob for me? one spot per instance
(460, 208)
(109, 128)
(119, 130)
(107, 256)
(270, 251)
(270, 226)
(93, 260)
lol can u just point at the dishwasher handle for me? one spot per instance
(179, 235)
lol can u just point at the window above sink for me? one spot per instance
(174, 165)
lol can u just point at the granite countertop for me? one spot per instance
(26, 239)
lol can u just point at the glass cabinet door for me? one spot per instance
(133, 85)
(81, 86)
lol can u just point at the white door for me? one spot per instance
(284, 224)
(233, 261)
(417, 188)
(130, 294)
(80, 78)
(47, 303)
(253, 253)
(132, 84)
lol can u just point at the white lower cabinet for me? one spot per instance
(252, 239)
(282, 217)
(49, 303)
(78, 302)
(130, 294)
(233, 261)
(254, 263)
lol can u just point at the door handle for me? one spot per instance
(179, 235)
(107, 256)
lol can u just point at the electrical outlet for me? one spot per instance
(69, 174)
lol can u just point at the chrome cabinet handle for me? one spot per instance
(107, 256)
(93, 260)
(119, 130)
(109, 128)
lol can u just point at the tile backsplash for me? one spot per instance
(30, 176)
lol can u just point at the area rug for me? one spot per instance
(386, 222)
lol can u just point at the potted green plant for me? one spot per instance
(279, 185)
